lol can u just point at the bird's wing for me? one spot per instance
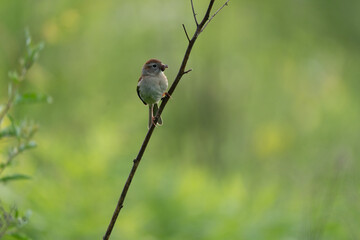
(138, 91)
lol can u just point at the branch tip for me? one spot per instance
(188, 71)
(207, 22)
(193, 10)
(187, 36)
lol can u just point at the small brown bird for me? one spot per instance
(152, 86)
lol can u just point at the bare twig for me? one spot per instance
(225, 4)
(187, 36)
(193, 10)
(181, 72)
(187, 71)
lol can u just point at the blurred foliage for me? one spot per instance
(260, 140)
(17, 136)
(11, 221)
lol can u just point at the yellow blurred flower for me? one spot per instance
(51, 31)
(54, 29)
(69, 19)
(270, 139)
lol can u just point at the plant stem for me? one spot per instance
(12, 95)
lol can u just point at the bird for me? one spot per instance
(152, 86)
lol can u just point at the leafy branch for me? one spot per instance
(22, 131)
(11, 220)
(32, 53)
(199, 28)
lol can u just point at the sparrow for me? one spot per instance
(152, 86)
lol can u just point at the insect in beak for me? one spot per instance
(163, 66)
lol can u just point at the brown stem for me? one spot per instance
(187, 36)
(180, 73)
(193, 10)
(225, 4)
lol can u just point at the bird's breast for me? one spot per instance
(152, 88)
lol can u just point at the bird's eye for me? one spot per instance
(154, 65)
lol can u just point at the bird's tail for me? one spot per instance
(153, 108)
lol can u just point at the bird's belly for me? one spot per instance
(151, 91)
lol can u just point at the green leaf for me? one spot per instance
(8, 132)
(39, 47)
(31, 144)
(12, 120)
(14, 177)
(15, 128)
(14, 76)
(23, 220)
(10, 88)
(33, 54)
(32, 98)
(27, 146)
(20, 236)
(27, 37)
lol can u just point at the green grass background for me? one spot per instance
(260, 140)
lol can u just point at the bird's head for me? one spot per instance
(153, 67)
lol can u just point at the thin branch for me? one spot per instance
(225, 4)
(12, 94)
(14, 152)
(188, 71)
(187, 36)
(181, 72)
(193, 10)
(9, 102)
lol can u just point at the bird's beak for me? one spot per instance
(163, 66)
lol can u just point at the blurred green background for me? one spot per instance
(260, 140)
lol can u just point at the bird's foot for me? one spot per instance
(153, 121)
(166, 94)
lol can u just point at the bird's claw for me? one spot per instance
(166, 94)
